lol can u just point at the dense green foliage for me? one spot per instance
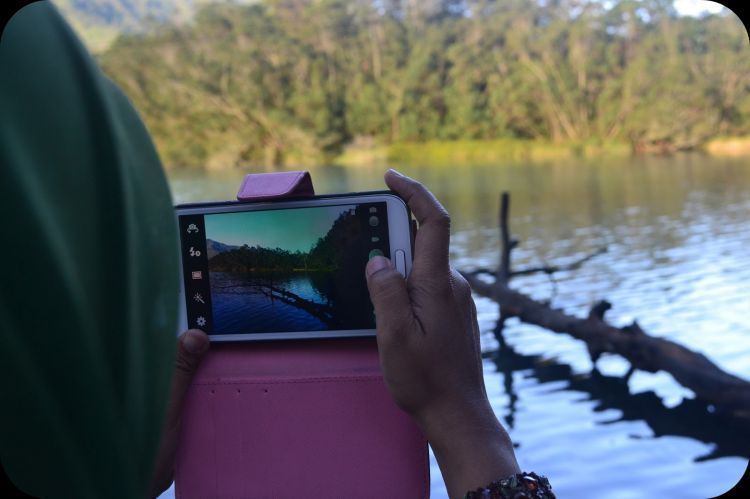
(290, 81)
(257, 259)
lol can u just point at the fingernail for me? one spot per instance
(193, 342)
(396, 172)
(376, 264)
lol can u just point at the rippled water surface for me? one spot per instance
(243, 303)
(677, 232)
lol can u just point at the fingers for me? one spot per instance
(431, 244)
(192, 345)
(390, 298)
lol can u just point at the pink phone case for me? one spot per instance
(261, 186)
(296, 418)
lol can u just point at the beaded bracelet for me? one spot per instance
(519, 486)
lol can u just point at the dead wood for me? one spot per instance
(691, 369)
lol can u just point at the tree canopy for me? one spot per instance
(284, 81)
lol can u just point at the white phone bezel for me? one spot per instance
(399, 234)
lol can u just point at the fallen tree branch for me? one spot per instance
(691, 369)
(545, 269)
(551, 269)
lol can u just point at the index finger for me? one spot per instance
(433, 236)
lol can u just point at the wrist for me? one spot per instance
(444, 422)
(472, 431)
(471, 446)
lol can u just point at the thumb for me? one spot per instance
(390, 298)
(192, 345)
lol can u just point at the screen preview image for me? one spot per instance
(284, 270)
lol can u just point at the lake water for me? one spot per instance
(677, 231)
(245, 303)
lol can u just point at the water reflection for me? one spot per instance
(688, 419)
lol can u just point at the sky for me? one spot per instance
(697, 7)
(292, 230)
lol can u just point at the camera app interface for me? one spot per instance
(284, 270)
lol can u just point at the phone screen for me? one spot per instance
(281, 270)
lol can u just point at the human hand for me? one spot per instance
(192, 345)
(428, 340)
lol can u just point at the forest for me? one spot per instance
(258, 259)
(301, 81)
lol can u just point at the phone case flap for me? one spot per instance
(264, 186)
(297, 419)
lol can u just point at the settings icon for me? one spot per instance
(200, 321)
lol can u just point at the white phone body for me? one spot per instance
(400, 243)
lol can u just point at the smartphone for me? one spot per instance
(287, 269)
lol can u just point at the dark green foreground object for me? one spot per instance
(89, 278)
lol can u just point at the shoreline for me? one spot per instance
(504, 150)
(728, 146)
(483, 152)
(476, 152)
